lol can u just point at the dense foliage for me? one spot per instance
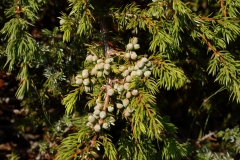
(127, 79)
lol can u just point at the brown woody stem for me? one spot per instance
(223, 9)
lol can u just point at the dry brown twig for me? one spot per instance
(208, 137)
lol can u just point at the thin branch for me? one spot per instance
(79, 152)
(208, 136)
(105, 37)
(212, 19)
(113, 52)
(210, 45)
(18, 8)
(223, 8)
(93, 141)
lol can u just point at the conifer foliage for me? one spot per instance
(112, 62)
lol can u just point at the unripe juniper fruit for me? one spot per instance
(87, 89)
(105, 126)
(96, 112)
(78, 76)
(86, 82)
(85, 73)
(125, 102)
(107, 66)
(96, 116)
(115, 86)
(134, 31)
(140, 64)
(144, 60)
(110, 108)
(136, 46)
(108, 60)
(99, 74)
(112, 119)
(130, 68)
(91, 119)
(149, 64)
(120, 88)
(97, 128)
(119, 105)
(100, 66)
(139, 73)
(98, 106)
(89, 124)
(89, 58)
(93, 71)
(62, 21)
(125, 86)
(79, 81)
(121, 68)
(127, 114)
(129, 110)
(93, 81)
(133, 73)
(129, 46)
(128, 55)
(134, 92)
(102, 114)
(128, 95)
(94, 58)
(99, 60)
(106, 72)
(134, 40)
(133, 55)
(96, 66)
(125, 73)
(136, 67)
(147, 73)
(128, 78)
(111, 92)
